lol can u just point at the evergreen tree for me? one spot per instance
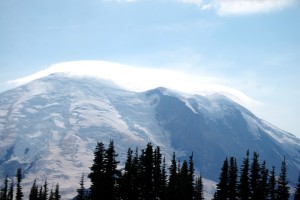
(198, 195)
(40, 195)
(19, 193)
(57, 195)
(183, 181)
(272, 183)
(163, 190)
(232, 179)
(112, 174)
(255, 177)
(243, 187)
(297, 190)
(33, 191)
(191, 174)
(81, 190)
(263, 185)
(4, 190)
(97, 173)
(10, 195)
(51, 196)
(45, 191)
(172, 189)
(222, 186)
(128, 180)
(146, 164)
(157, 174)
(283, 188)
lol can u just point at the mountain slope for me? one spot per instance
(50, 127)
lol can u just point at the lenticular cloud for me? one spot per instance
(142, 79)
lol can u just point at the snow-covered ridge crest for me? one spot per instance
(144, 78)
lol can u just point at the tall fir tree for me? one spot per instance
(51, 196)
(255, 177)
(222, 186)
(183, 181)
(112, 174)
(4, 189)
(19, 192)
(198, 195)
(172, 189)
(45, 190)
(243, 186)
(297, 190)
(40, 195)
(127, 183)
(263, 184)
(283, 188)
(81, 189)
(33, 195)
(57, 195)
(157, 174)
(163, 195)
(272, 184)
(232, 179)
(10, 195)
(191, 181)
(97, 173)
(146, 164)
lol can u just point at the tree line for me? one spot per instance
(253, 181)
(36, 192)
(145, 176)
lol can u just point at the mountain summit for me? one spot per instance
(50, 126)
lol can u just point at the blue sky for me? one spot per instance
(250, 45)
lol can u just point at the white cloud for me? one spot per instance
(239, 7)
(141, 79)
(250, 6)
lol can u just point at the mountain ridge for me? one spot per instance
(52, 125)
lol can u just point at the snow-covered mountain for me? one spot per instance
(50, 127)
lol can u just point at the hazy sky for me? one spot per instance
(252, 46)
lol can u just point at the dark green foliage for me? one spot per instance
(198, 193)
(111, 173)
(243, 187)
(183, 181)
(282, 187)
(57, 195)
(10, 195)
(163, 189)
(222, 186)
(19, 193)
(157, 175)
(81, 190)
(191, 174)
(34, 191)
(263, 184)
(255, 177)
(297, 190)
(97, 172)
(272, 184)
(4, 190)
(146, 172)
(129, 180)
(232, 179)
(172, 189)
(40, 195)
(51, 196)
(145, 177)
(45, 191)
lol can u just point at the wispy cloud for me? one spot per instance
(141, 79)
(241, 7)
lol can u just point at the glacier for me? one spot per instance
(50, 127)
